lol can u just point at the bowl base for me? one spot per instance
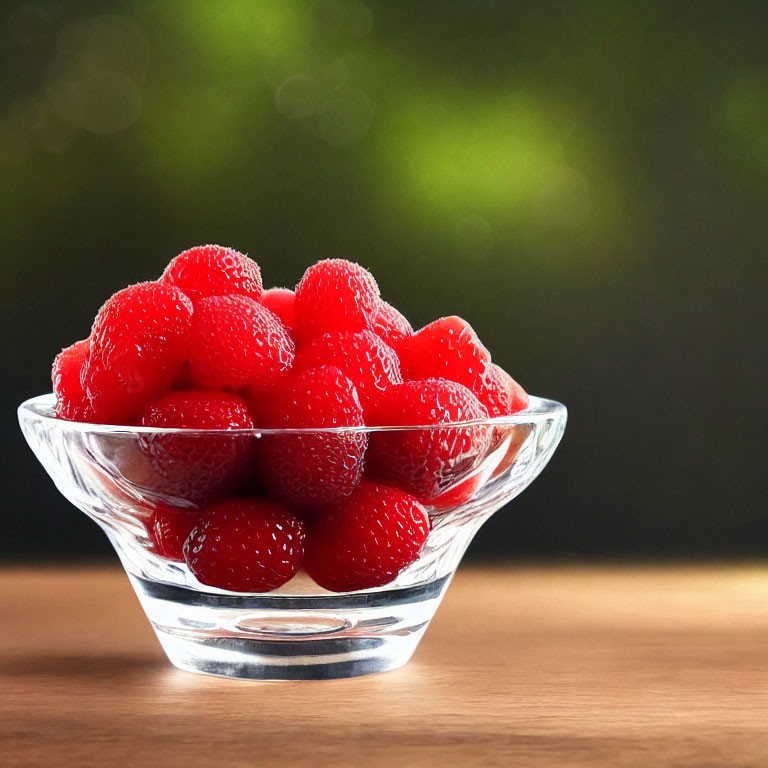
(248, 659)
(289, 637)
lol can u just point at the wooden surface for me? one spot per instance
(522, 667)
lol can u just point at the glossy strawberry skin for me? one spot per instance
(458, 495)
(430, 461)
(72, 401)
(391, 326)
(245, 545)
(499, 392)
(236, 342)
(361, 356)
(314, 467)
(212, 270)
(367, 540)
(198, 409)
(197, 466)
(447, 348)
(335, 295)
(137, 346)
(168, 529)
(282, 302)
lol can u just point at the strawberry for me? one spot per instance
(211, 270)
(447, 348)
(196, 466)
(427, 462)
(245, 545)
(499, 392)
(391, 326)
(335, 295)
(168, 529)
(367, 540)
(137, 346)
(71, 400)
(236, 342)
(316, 467)
(282, 302)
(361, 356)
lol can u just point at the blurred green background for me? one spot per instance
(586, 183)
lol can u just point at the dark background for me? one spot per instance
(586, 183)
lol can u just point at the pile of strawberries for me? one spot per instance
(206, 348)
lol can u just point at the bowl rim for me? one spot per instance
(41, 409)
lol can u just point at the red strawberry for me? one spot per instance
(427, 462)
(245, 545)
(71, 401)
(236, 342)
(500, 393)
(317, 467)
(367, 540)
(281, 301)
(363, 357)
(168, 529)
(258, 400)
(391, 326)
(137, 346)
(458, 495)
(335, 295)
(211, 270)
(447, 348)
(198, 409)
(196, 466)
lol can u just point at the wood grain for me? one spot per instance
(526, 666)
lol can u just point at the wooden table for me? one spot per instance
(524, 666)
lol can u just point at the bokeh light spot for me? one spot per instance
(297, 98)
(96, 74)
(241, 32)
(345, 117)
(526, 166)
(99, 101)
(43, 125)
(336, 74)
(106, 42)
(494, 155)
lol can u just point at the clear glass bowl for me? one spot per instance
(299, 631)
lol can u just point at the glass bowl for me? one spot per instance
(299, 631)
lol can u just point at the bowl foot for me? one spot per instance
(303, 660)
(289, 637)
